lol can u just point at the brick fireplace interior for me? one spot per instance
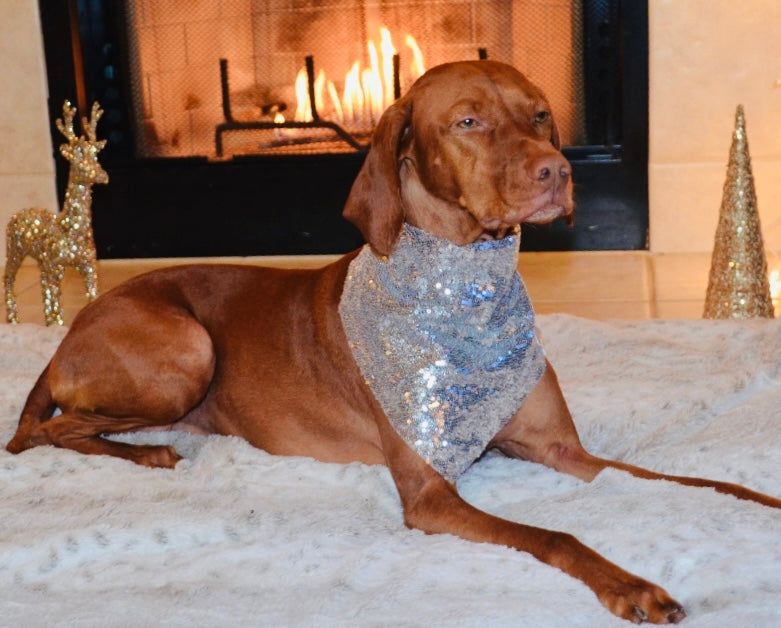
(214, 149)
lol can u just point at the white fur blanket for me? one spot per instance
(235, 536)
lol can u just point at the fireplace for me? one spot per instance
(352, 58)
(237, 127)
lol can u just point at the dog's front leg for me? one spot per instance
(543, 431)
(432, 504)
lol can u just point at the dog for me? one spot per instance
(417, 351)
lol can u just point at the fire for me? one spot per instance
(303, 106)
(367, 92)
(418, 67)
(387, 50)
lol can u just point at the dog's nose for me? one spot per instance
(551, 166)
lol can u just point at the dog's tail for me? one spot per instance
(38, 407)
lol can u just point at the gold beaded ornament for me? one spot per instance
(738, 286)
(59, 240)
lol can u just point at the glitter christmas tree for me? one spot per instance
(738, 286)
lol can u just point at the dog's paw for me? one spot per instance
(640, 602)
(157, 456)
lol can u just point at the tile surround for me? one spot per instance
(26, 159)
(706, 57)
(598, 285)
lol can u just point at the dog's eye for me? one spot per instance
(468, 123)
(541, 117)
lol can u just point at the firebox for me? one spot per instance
(298, 77)
(235, 127)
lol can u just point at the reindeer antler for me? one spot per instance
(65, 125)
(91, 128)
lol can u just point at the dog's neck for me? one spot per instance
(444, 336)
(420, 256)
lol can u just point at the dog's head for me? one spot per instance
(470, 151)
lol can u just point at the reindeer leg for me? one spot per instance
(11, 268)
(89, 273)
(51, 280)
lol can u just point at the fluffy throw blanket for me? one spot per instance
(234, 536)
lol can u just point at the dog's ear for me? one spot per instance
(374, 204)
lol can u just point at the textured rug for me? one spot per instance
(234, 536)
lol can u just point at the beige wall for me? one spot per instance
(26, 161)
(707, 56)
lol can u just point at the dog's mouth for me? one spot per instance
(498, 228)
(546, 214)
(539, 208)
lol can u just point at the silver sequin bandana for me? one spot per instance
(444, 336)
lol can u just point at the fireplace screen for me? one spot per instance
(218, 79)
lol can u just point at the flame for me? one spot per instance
(367, 92)
(319, 84)
(335, 103)
(353, 96)
(372, 84)
(387, 49)
(303, 108)
(417, 57)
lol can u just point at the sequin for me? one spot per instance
(444, 336)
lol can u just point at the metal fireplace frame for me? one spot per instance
(291, 204)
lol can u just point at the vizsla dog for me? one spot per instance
(417, 351)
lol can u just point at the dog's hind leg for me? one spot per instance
(134, 366)
(38, 408)
(80, 431)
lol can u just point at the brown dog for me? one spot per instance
(285, 358)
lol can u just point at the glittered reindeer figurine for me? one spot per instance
(57, 241)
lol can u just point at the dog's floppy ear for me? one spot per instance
(374, 204)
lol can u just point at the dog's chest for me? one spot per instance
(444, 336)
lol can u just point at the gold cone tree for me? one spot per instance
(738, 286)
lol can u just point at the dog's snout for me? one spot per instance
(551, 166)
